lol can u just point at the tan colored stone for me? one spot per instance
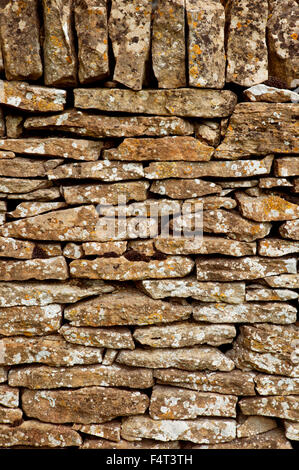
(52, 268)
(22, 95)
(36, 434)
(85, 405)
(94, 125)
(160, 149)
(253, 425)
(204, 246)
(2, 131)
(196, 358)
(276, 385)
(290, 229)
(117, 337)
(123, 444)
(129, 31)
(25, 167)
(184, 188)
(274, 312)
(250, 268)
(19, 29)
(9, 247)
(274, 439)
(168, 44)
(101, 170)
(201, 430)
(276, 406)
(3, 374)
(185, 102)
(292, 430)
(270, 94)
(269, 183)
(10, 415)
(45, 377)
(47, 250)
(60, 61)
(3, 154)
(266, 208)
(29, 209)
(127, 306)
(52, 350)
(105, 248)
(290, 281)
(109, 357)
(257, 292)
(296, 185)
(9, 396)
(14, 126)
(277, 247)
(20, 185)
(143, 247)
(92, 33)
(259, 129)
(48, 194)
(176, 403)
(73, 251)
(208, 131)
(30, 321)
(235, 382)
(206, 21)
(109, 431)
(286, 166)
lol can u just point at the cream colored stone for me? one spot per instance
(30, 321)
(117, 337)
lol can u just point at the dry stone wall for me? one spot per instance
(139, 340)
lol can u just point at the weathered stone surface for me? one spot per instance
(92, 33)
(14, 126)
(168, 44)
(3, 374)
(254, 267)
(253, 425)
(9, 396)
(183, 334)
(94, 125)
(73, 251)
(10, 415)
(257, 292)
(274, 439)
(277, 247)
(29, 209)
(184, 188)
(204, 246)
(197, 430)
(290, 281)
(269, 183)
(129, 31)
(109, 357)
(161, 149)
(9, 247)
(101, 170)
(52, 350)
(19, 185)
(259, 129)
(185, 102)
(245, 313)
(118, 337)
(266, 208)
(270, 94)
(276, 406)
(176, 403)
(143, 247)
(122, 269)
(3, 154)
(27, 97)
(86, 405)
(2, 133)
(1, 61)
(47, 250)
(30, 321)
(45, 293)
(206, 20)
(247, 20)
(296, 185)
(190, 287)
(97, 248)
(292, 430)
(25, 168)
(59, 48)
(282, 37)
(276, 385)
(230, 383)
(197, 358)
(48, 194)
(286, 166)
(290, 229)
(77, 149)
(123, 444)
(44, 377)
(36, 434)
(125, 307)
(109, 431)
(245, 168)
(52, 268)
(208, 131)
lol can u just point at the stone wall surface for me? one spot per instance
(136, 339)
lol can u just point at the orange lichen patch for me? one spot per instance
(239, 25)
(196, 49)
(294, 36)
(194, 71)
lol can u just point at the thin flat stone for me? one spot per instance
(110, 356)
(9, 247)
(269, 183)
(259, 293)
(290, 281)
(48, 194)
(286, 166)
(3, 374)
(14, 126)
(20, 185)
(204, 246)
(117, 337)
(108, 431)
(73, 251)
(277, 407)
(266, 208)
(10, 415)
(290, 229)
(270, 94)
(274, 439)
(30, 321)
(29, 209)
(25, 167)
(184, 188)
(253, 425)
(276, 247)
(100, 170)
(123, 444)
(9, 396)
(292, 430)
(52, 268)
(276, 385)
(97, 248)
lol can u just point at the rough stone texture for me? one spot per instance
(266, 208)
(286, 166)
(270, 94)
(10, 415)
(123, 444)
(276, 385)
(105, 171)
(206, 64)
(30, 321)
(16, 248)
(118, 338)
(276, 247)
(253, 425)
(9, 396)
(184, 188)
(290, 281)
(292, 430)
(52, 268)
(287, 408)
(29, 209)
(290, 229)
(258, 292)
(109, 431)
(14, 126)
(96, 248)
(205, 246)
(274, 439)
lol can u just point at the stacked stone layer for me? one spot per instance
(136, 339)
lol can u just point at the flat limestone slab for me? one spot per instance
(276, 385)
(30, 321)
(277, 407)
(41, 269)
(117, 338)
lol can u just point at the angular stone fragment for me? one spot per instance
(230, 383)
(9, 396)
(85, 405)
(197, 358)
(129, 31)
(199, 430)
(292, 430)
(184, 188)
(185, 102)
(48, 194)
(19, 28)
(206, 21)
(257, 292)
(45, 377)
(290, 229)
(259, 129)
(77, 149)
(296, 185)
(101, 170)
(6, 155)
(274, 439)
(269, 183)
(3, 374)
(161, 149)
(52, 350)
(96, 248)
(30, 321)
(110, 356)
(122, 269)
(73, 251)
(10, 415)
(190, 287)
(47, 250)
(240, 169)
(1, 60)
(208, 131)
(14, 126)
(247, 20)
(253, 425)
(24, 167)
(276, 406)
(52, 268)
(290, 281)
(277, 247)
(109, 430)
(36, 434)
(231, 269)
(27, 97)
(266, 208)
(270, 94)
(276, 385)
(123, 444)
(176, 403)
(125, 307)
(184, 334)
(118, 337)
(106, 193)
(168, 44)
(245, 313)
(92, 33)
(286, 166)
(9, 247)
(19, 185)
(29, 209)
(282, 35)
(60, 61)
(143, 247)
(204, 246)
